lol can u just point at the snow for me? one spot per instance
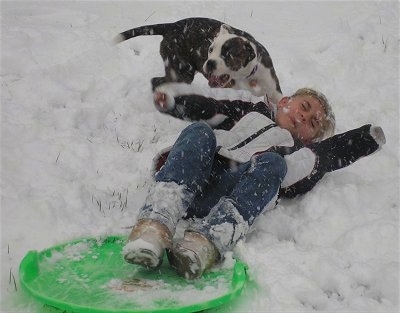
(79, 130)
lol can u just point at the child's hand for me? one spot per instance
(378, 134)
(161, 101)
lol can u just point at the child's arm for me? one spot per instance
(222, 114)
(329, 155)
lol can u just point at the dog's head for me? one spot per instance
(230, 57)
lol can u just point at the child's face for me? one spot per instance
(303, 116)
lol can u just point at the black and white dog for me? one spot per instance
(226, 56)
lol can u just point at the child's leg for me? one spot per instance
(185, 172)
(190, 159)
(256, 190)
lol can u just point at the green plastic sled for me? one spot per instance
(89, 276)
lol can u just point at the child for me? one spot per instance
(228, 178)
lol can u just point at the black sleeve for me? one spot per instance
(332, 154)
(196, 107)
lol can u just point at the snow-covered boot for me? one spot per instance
(147, 243)
(192, 255)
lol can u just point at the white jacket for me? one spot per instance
(254, 133)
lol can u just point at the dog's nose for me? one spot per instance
(211, 65)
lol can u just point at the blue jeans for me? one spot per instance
(227, 198)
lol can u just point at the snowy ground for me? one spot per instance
(79, 129)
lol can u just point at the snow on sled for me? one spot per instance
(90, 275)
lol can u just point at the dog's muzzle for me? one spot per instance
(215, 81)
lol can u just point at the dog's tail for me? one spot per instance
(148, 30)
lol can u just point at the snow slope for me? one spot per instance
(79, 130)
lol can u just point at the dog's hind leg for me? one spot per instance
(177, 64)
(179, 72)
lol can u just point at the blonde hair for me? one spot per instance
(328, 127)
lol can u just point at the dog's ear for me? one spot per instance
(225, 29)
